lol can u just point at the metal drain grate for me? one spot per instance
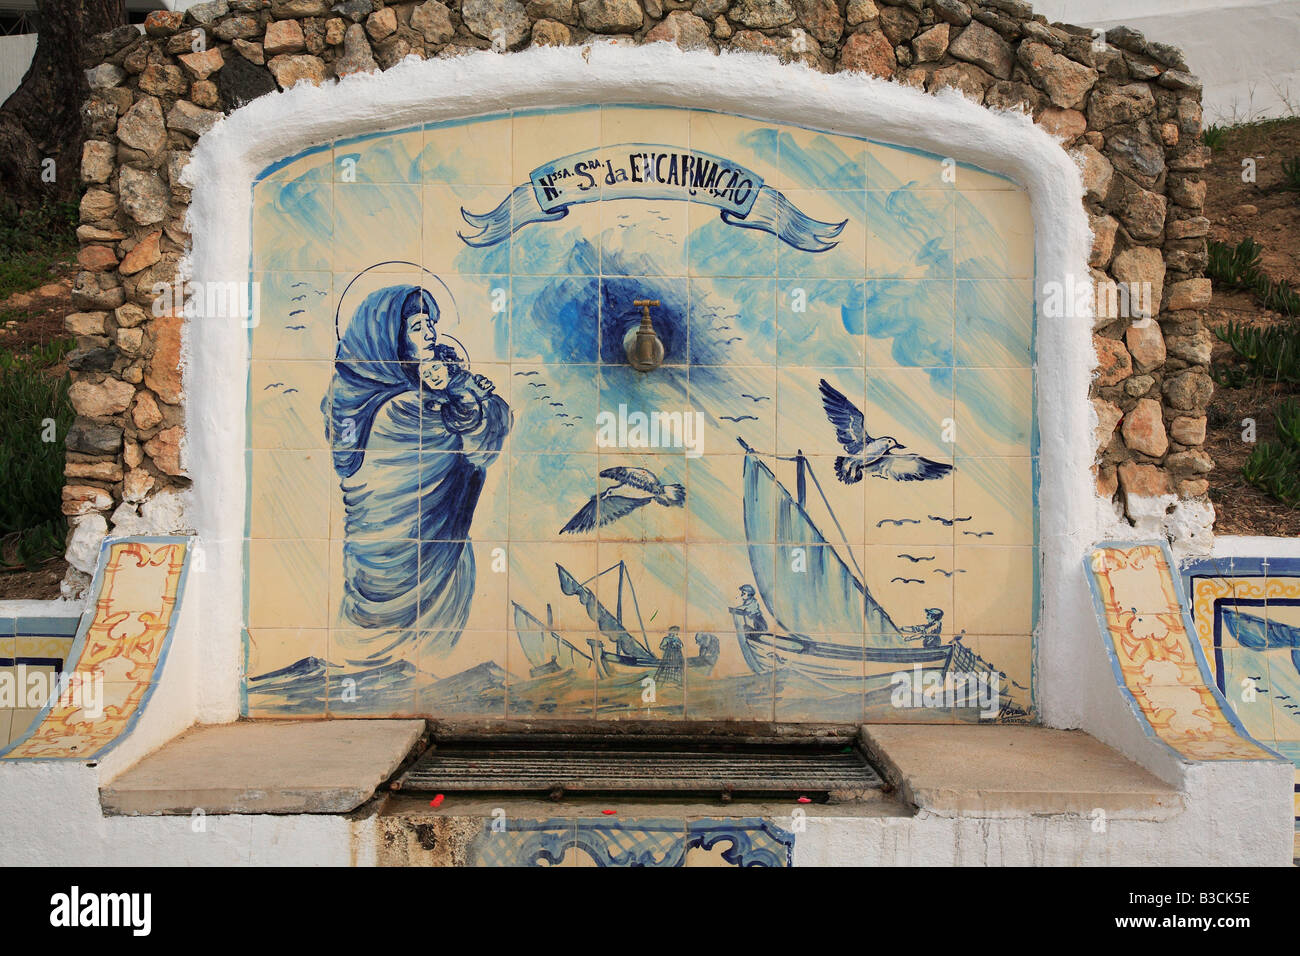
(836, 769)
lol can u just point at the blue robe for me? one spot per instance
(411, 463)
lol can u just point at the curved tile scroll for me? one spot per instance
(118, 655)
(1157, 661)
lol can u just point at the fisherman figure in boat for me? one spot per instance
(670, 656)
(749, 610)
(709, 650)
(928, 633)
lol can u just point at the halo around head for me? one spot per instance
(370, 280)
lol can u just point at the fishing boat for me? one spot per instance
(826, 597)
(1263, 634)
(547, 651)
(550, 652)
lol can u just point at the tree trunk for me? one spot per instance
(41, 120)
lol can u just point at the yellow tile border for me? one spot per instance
(1160, 669)
(131, 642)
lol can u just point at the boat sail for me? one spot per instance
(1262, 634)
(826, 596)
(547, 652)
(823, 597)
(611, 625)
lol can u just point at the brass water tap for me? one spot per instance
(645, 352)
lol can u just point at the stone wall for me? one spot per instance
(1125, 107)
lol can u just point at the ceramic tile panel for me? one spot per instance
(30, 645)
(294, 315)
(733, 322)
(640, 842)
(474, 152)
(994, 235)
(821, 322)
(909, 323)
(1156, 659)
(380, 158)
(464, 501)
(1246, 614)
(810, 159)
(95, 689)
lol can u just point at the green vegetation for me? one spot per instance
(1291, 174)
(33, 242)
(1246, 135)
(36, 418)
(1237, 267)
(1274, 467)
(1266, 355)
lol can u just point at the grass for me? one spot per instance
(33, 243)
(1247, 134)
(37, 414)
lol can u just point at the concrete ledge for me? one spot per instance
(320, 766)
(1005, 770)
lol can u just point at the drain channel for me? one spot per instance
(834, 769)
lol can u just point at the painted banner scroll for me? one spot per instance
(646, 171)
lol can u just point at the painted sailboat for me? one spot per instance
(826, 596)
(547, 651)
(1261, 634)
(550, 652)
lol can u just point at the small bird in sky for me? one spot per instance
(633, 488)
(947, 522)
(867, 455)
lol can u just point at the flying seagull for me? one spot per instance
(867, 455)
(948, 522)
(632, 488)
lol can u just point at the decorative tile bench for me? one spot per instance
(1246, 614)
(1158, 664)
(113, 663)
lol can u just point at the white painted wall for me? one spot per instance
(1244, 51)
(1089, 11)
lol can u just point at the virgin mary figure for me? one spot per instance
(413, 432)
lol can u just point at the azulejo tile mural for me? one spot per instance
(1247, 617)
(32, 651)
(464, 501)
(741, 841)
(90, 698)
(1157, 661)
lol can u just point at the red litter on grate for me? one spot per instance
(804, 800)
(436, 801)
(609, 813)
